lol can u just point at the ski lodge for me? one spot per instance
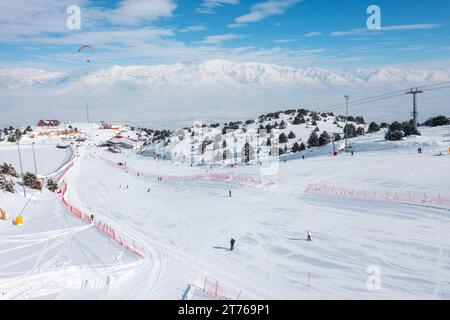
(48, 123)
(124, 142)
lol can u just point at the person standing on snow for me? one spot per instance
(308, 238)
(229, 193)
(232, 242)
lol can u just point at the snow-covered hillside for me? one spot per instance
(184, 222)
(271, 133)
(216, 73)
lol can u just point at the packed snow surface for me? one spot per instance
(185, 226)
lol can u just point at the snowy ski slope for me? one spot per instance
(185, 227)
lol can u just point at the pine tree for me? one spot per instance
(51, 185)
(30, 180)
(8, 170)
(360, 131)
(313, 140)
(302, 146)
(373, 127)
(248, 152)
(324, 139)
(282, 138)
(295, 148)
(6, 185)
(291, 135)
(350, 130)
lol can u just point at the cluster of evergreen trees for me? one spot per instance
(398, 131)
(13, 135)
(7, 170)
(437, 121)
(30, 180)
(6, 185)
(315, 140)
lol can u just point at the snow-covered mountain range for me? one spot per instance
(215, 73)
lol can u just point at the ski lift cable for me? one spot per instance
(385, 96)
(439, 88)
(340, 105)
(367, 100)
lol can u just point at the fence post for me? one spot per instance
(217, 287)
(309, 280)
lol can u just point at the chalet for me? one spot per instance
(48, 123)
(125, 143)
(109, 126)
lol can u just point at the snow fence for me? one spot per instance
(195, 177)
(394, 196)
(102, 226)
(214, 290)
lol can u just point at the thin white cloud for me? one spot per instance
(282, 41)
(409, 27)
(364, 31)
(235, 25)
(261, 11)
(210, 6)
(132, 12)
(193, 29)
(218, 39)
(313, 34)
(413, 48)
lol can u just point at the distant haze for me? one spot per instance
(170, 96)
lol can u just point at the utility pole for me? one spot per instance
(87, 111)
(21, 169)
(347, 98)
(34, 158)
(332, 139)
(257, 147)
(192, 149)
(414, 92)
(235, 149)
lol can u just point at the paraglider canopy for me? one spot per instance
(87, 47)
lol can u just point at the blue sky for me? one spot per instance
(329, 34)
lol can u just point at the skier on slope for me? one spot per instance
(308, 238)
(232, 242)
(229, 193)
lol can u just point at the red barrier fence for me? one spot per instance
(213, 289)
(199, 176)
(64, 171)
(394, 196)
(105, 228)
